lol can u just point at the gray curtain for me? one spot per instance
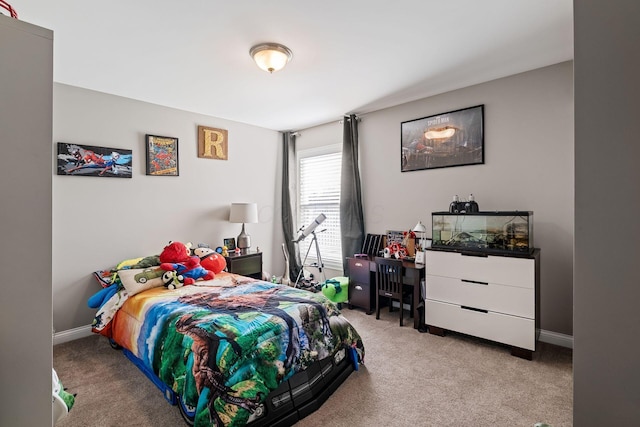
(288, 220)
(351, 217)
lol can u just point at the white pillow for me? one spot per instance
(136, 280)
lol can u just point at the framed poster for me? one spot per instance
(449, 139)
(162, 155)
(90, 160)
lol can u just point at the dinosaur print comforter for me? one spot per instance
(223, 349)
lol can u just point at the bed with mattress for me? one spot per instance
(231, 351)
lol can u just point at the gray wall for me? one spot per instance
(26, 79)
(98, 222)
(607, 200)
(528, 166)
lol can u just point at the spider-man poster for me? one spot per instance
(88, 160)
(162, 155)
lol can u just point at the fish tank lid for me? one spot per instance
(487, 213)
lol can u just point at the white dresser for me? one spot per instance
(489, 296)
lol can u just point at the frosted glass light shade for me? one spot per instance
(271, 56)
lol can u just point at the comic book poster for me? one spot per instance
(89, 160)
(162, 155)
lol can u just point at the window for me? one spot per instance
(319, 192)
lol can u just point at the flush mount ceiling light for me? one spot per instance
(271, 56)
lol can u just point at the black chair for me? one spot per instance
(389, 285)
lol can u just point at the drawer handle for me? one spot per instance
(358, 264)
(358, 288)
(475, 282)
(476, 254)
(479, 310)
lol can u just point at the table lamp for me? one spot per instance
(243, 213)
(420, 229)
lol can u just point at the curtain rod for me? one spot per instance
(359, 119)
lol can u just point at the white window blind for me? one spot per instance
(319, 192)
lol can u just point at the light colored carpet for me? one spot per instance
(409, 379)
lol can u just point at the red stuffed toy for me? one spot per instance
(176, 256)
(210, 259)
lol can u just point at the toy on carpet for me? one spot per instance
(355, 354)
(62, 400)
(336, 289)
(176, 256)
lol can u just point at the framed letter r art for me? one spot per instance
(213, 143)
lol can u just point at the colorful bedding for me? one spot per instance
(223, 349)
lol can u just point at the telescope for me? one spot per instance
(308, 230)
(304, 232)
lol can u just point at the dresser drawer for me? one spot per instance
(359, 270)
(511, 300)
(511, 330)
(502, 270)
(360, 295)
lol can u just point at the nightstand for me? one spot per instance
(249, 264)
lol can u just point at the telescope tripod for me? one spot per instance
(320, 265)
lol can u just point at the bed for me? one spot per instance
(231, 351)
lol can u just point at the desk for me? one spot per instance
(362, 283)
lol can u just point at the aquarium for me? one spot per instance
(497, 232)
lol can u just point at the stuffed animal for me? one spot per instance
(176, 256)
(336, 289)
(210, 259)
(395, 250)
(172, 280)
(98, 299)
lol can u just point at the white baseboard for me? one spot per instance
(72, 334)
(556, 338)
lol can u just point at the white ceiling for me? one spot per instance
(349, 56)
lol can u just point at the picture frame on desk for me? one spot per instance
(230, 243)
(424, 244)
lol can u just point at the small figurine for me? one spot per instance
(225, 251)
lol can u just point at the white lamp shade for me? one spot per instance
(420, 228)
(244, 213)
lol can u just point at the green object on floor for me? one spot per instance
(336, 289)
(68, 398)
